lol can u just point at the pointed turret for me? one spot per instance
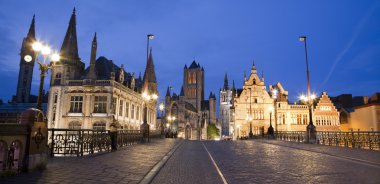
(253, 70)
(32, 31)
(262, 75)
(226, 87)
(182, 92)
(69, 49)
(150, 82)
(233, 84)
(185, 66)
(92, 71)
(168, 91)
(245, 76)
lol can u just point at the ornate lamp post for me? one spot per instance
(148, 99)
(170, 120)
(161, 107)
(311, 131)
(45, 51)
(274, 96)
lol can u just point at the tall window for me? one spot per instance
(57, 79)
(133, 111)
(121, 108)
(100, 104)
(126, 109)
(138, 113)
(304, 119)
(76, 104)
(299, 119)
(194, 78)
(113, 105)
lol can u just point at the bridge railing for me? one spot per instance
(79, 142)
(353, 139)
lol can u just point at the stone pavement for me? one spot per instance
(257, 161)
(190, 164)
(127, 165)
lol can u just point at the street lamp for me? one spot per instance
(274, 96)
(249, 117)
(44, 65)
(270, 128)
(311, 131)
(170, 120)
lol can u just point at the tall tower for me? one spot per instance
(193, 84)
(26, 66)
(149, 80)
(225, 104)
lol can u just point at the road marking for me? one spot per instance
(216, 166)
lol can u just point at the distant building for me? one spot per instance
(193, 113)
(254, 108)
(359, 113)
(89, 98)
(225, 105)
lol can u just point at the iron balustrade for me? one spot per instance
(353, 139)
(79, 142)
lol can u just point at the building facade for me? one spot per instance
(90, 98)
(255, 108)
(191, 111)
(225, 105)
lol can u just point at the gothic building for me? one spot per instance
(193, 113)
(254, 108)
(90, 98)
(225, 105)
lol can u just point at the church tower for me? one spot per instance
(193, 84)
(70, 67)
(225, 104)
(92, 71)
(27, 58)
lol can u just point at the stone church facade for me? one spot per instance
(90, 98)
(192, 112)
(254, 107)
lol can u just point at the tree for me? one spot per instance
(212, 132)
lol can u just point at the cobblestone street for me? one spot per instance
(251, 161)
(127, 165)
(269, 162)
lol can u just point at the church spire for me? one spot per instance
(32, 32)
(226, 87)
(182, 92)
(233, 84)
(69, 49)
(168, 91)
(253, 67)
(92, 71)
(149, 81)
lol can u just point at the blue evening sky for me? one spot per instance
(224, 36)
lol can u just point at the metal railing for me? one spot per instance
(353, 139)
(68, 142)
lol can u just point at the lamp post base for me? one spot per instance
(311, 134)
(270, 132)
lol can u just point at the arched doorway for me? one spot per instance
(188, 132)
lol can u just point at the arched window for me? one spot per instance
(99, 126)
(75, 125)
(194, 78)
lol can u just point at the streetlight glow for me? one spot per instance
(28, 58)
(154, 96)
(55, 57)
(46, 51)
(161, 106)
(37, 46)
(150, 36)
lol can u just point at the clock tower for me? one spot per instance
(27, 58)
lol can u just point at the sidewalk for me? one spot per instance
(127, 165)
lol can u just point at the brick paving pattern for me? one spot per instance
(284, 162)
(127, 165)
